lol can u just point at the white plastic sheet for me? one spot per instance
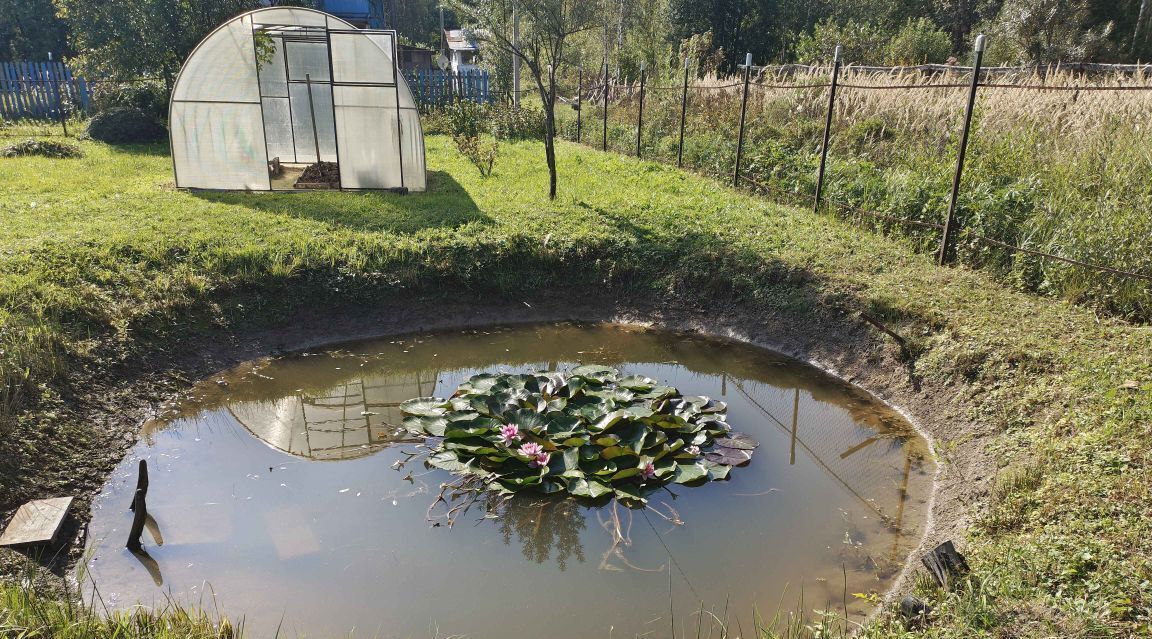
(231, 114)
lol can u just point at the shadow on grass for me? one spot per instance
(446, 204)
(154, 149)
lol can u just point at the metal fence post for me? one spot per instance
(743, 113)
(950, 221)
(827, 128)
(640, 113)
(60, 105)
(604, 143)
(579, 99)
(683, 113)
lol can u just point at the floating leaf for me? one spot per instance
(742, 441)
(689, 473)
(717, 472)
(728, 456)
(629, 492)
(626, 473)
(591, 489)
(425, 406)
(526, 419)
(448, 462)
(419, 425)
(636, 383)
(594, 372)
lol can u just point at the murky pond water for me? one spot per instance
(275, 494)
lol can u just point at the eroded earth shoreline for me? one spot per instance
(117, 400)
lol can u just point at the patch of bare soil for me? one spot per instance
(322, 175)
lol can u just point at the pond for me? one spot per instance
(280, 493)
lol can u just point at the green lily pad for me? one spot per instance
(425, 406)
(728, 456)
(599, 430)
(741, 441)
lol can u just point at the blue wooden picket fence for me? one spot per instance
(41, 90)
(433, 86)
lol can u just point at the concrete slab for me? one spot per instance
(36, 522)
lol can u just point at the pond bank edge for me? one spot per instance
(834, 341)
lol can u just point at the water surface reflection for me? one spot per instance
(283, 493)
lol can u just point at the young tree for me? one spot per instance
(545, 27)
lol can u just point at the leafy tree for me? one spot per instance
(30, 30)
(417, 20)
(919, 41)
(863, 43)
(1048, 31)
(545, 29)
(126, 39)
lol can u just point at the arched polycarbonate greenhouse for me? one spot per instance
(289, 98)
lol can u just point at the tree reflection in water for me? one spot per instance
(540, 525)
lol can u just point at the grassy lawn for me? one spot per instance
(102, 254)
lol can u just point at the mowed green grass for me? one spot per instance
(94, 251)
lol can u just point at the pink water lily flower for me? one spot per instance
(693, 450)
(536, 452)
(647, 471)
(509, 433)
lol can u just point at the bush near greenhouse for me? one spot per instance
(122, 125)
(149, 96)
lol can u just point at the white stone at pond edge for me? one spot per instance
(36, 522)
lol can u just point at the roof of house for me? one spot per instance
(460, 40)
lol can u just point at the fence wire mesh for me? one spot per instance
(867, 123)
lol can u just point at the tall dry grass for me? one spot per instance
(1057, 162)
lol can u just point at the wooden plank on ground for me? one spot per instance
(36, 522)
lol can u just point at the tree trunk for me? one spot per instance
(550, 147)
(1140, 17)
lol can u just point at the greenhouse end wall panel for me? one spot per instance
(286, 87)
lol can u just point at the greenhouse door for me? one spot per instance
(296, 96)
(365, 99)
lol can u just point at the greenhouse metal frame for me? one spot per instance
(289, 87)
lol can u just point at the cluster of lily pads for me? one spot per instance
(590, 432)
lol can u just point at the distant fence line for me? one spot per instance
(942, 69)
(41, 90)
(604, 91)
(50, 90)
(433, 87)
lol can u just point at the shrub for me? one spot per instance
(919, 41)
(508, 122)
(480, 150)
(149, 96)
(42, 148)
(471, 119)
(863, 43)
(125, 126)
(467, 118)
